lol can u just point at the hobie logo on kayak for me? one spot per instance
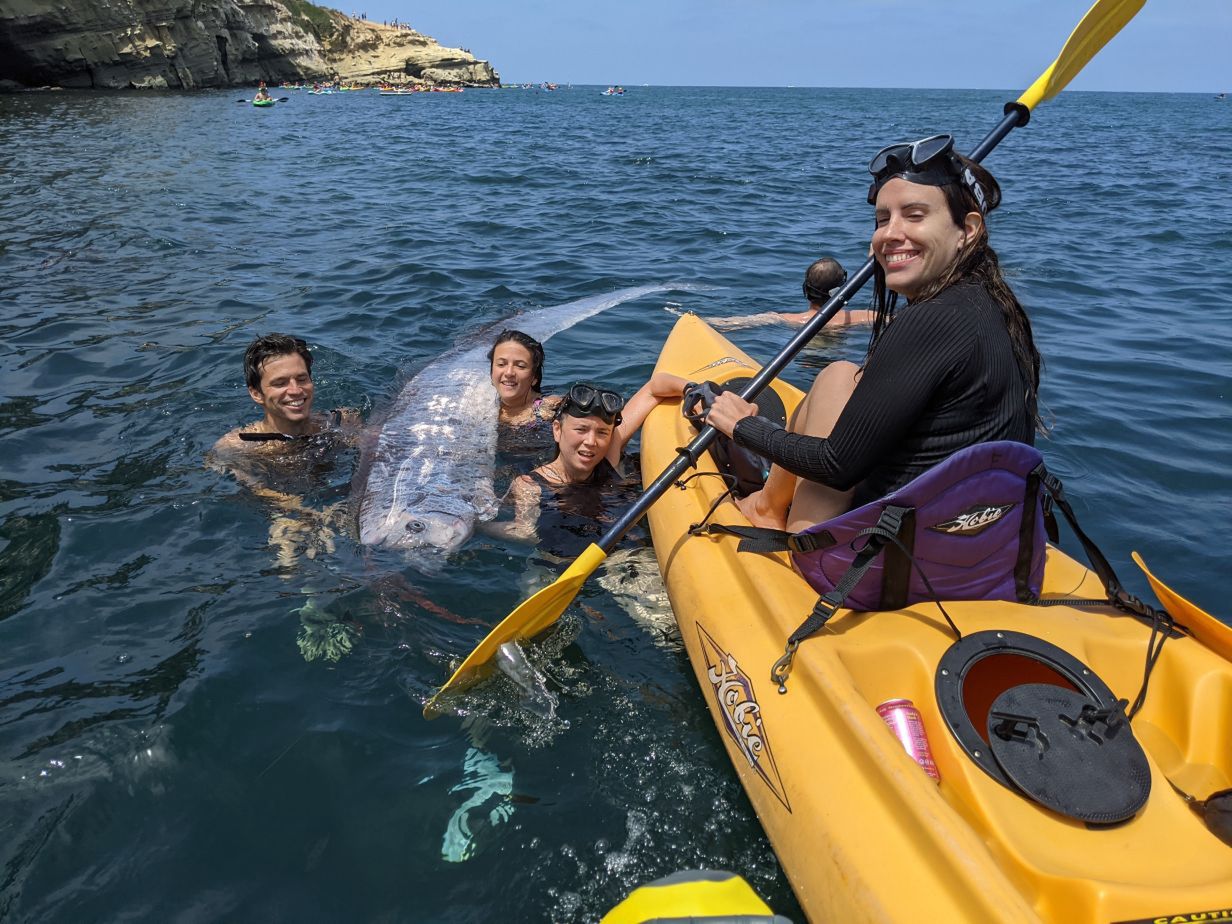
(974, 520)
(741, 714)
(1188, 917)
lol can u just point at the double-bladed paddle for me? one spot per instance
(1103, 20)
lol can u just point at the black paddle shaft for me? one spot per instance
(1016, 115)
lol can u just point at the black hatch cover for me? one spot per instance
(1069, 754)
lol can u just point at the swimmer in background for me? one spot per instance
(820, 279)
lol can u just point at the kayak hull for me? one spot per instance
(863, 833)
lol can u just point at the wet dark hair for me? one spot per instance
(531, 344)
(976, 262)
(266, 348)
(822, 276)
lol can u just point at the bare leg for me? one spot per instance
(807, 501)
(768, 507)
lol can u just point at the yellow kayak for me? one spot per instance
(862, 831)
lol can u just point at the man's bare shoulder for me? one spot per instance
(224, 453)
(229, 442)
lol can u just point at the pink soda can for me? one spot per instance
(905, 721)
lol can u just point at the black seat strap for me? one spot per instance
(763, 540)
(1117, 595)
(896, 571)
(886, 529)
(1026, 536)
(1162, 625)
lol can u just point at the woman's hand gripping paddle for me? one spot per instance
(1102, 21)
(1215, 635)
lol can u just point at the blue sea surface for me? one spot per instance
(168, 753)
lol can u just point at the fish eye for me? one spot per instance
(414, 526)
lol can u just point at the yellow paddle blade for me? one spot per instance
(531, 617)
(1211, 632)
(1104, 20)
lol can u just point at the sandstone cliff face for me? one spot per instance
(187, 44)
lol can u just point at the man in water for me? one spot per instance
(278, 371)
(275, 456)
(820, 279)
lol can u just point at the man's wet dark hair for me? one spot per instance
(531, 344)
(267, 347)
(822, 276)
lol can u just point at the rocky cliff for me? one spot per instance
(187, 44)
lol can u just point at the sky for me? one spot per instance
(1170, 46)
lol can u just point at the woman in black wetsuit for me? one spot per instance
(956, 366)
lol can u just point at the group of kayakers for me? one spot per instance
(336, 86)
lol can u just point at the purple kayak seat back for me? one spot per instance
(967, 534)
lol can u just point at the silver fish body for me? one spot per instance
(426, 479)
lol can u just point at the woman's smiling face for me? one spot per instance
(916, 240)
(513, 373)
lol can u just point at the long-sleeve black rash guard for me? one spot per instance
(942, 377)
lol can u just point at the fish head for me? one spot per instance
(426, 537)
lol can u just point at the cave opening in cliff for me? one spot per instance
(222, 54)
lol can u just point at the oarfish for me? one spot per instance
(426, 479)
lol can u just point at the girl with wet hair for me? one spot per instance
(953, 367)
(525, 422)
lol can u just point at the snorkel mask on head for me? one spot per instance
(818, 296)
(929, 162)
(586, 400)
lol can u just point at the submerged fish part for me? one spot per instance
(632, 577)
(482, 773)
(427, 477)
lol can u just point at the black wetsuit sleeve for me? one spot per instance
(915, 355)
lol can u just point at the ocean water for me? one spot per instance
(168, 748)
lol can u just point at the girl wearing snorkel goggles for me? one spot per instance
(591, 428)
(953, 367)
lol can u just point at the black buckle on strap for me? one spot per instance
(810, 542)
